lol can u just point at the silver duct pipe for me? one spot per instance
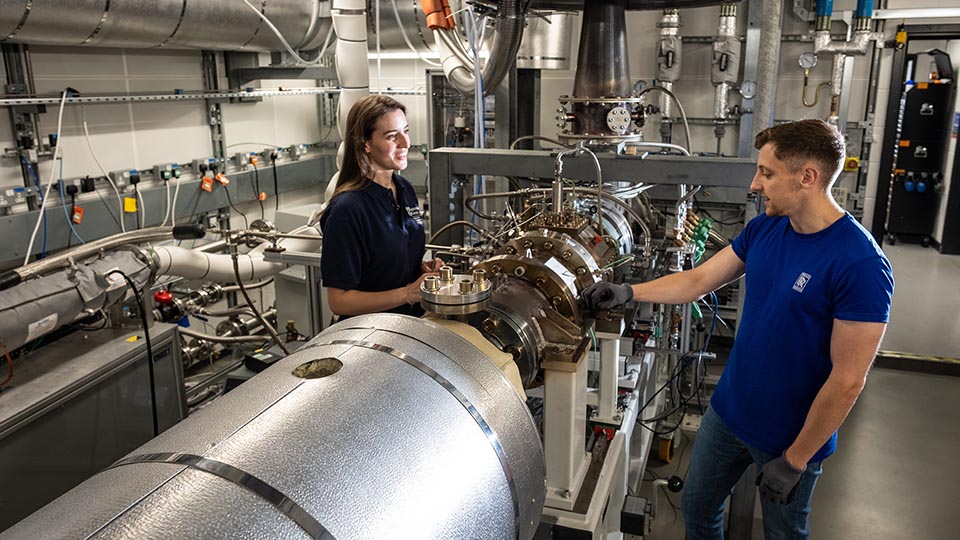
(769, 58)
(42, 305)
(726, 59)
(603, 68)
(366, 432)
(669, 56)
(459, 70)
(174, 24)
(412, 23)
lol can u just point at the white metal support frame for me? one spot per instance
(564, 423)
(609, 377)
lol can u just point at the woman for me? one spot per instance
(373, 237)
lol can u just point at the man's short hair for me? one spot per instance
(807, 140)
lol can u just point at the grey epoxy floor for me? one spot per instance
(896, 472)
(923, 318)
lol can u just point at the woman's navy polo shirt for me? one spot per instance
(370, 242)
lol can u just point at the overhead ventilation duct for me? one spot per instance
(546, 41)
(633, 5)
(458, 62)
(174, 24)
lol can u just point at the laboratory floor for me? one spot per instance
(895, 472)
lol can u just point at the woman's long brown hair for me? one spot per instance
(362, 120)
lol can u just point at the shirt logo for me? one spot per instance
(414, 212)
(801, 282)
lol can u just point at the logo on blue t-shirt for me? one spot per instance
(801, 282)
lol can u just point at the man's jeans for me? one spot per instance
(719, 459)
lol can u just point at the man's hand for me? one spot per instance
(778, 479)
(606, 296)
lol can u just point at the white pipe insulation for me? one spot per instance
(193, 264)
(350, 24)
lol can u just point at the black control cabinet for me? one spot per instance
(918, 176)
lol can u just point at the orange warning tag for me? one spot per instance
(77, 216)
(922, 86)
(262, 196)
(904, 143)
(206, 183)
(222, 178)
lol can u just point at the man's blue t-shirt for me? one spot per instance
(372, 243)
(797, 284)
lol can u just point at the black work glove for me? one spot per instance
(606, 296)
(778, 480)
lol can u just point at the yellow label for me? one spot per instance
(922, 85)
(129, 204)
(851, 164)
(901, 37)
(132, 339)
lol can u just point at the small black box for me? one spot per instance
(633, 515)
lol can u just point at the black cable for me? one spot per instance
(276, 182)
(256, 186)
(109, 210)
(246, 225)
(146, 337)
(256, 313)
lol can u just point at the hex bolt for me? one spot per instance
(431, 284)
(446, 274)
(566, 255)
(519, 271)
(496, 269)
(466, 286)
(489, 325)
(511, 250)
(541, 281)
(527, 244)
(581, 271)
(565, 494)
(556, 300)
(548, 245)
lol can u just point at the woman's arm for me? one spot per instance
(353, 302)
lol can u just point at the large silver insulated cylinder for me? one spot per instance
(407, 432)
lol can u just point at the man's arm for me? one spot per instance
(691, 285)
(853, 347)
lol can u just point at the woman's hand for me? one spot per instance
(431, 266)
(412, 291)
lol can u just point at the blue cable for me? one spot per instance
(63, 198)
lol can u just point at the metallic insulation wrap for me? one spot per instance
(182, 24)
(413, 437)
(40, 306)
(412, 21)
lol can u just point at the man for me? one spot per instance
(818, 292)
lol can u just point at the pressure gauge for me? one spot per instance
(639, 87)
(808, 60)
(748, 89)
